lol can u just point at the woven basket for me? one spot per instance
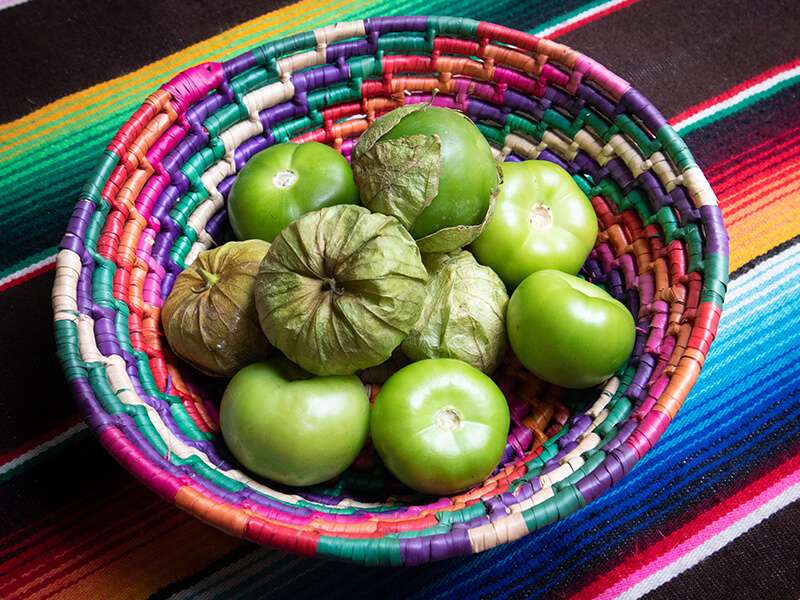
(157, 198)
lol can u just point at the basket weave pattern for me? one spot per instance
(157, 199)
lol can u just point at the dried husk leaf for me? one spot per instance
(402, 178)
(210, 317)
(340, 289)
(450, 239)
(464, 313)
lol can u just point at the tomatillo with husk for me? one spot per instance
(432, 169)
(210, 317)
(339, 289)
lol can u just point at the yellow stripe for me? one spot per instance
(51, 117)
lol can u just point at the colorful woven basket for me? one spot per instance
(157, 198)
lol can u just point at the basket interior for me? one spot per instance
(157, 199)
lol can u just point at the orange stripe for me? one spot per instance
(771, 182)
(760, 232)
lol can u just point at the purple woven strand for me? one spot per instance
(362, 47)
(415, 551)
(250, 147)
(637, 389)
(96, 417)
(623, 433)
(238, 64)
(305, 81)
(655, 193)
(390, 24)
(525, 104)
(551, 156)
(687, 212)
(636, 103)
(282, 112)
(596, 100)
(201, 111)
(478, 110)
(714, 229)
(84, 288)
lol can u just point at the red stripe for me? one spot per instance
(765, 205)
(759, 159)
(590, 19)
(94, 544)
(734, 90)
(758, 175)
(38, 537)
(39, 439)
(665, 544)
(737, 201)
(23, 278)
(719, 169)
(113, 508)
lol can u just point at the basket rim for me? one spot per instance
(176, 99)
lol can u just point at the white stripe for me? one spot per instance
(712, 545)
(34, 452)
(10, 3)
(740, 97)
(579, 17)
(25, 270)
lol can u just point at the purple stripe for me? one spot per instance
(320, 77)
(415, 551)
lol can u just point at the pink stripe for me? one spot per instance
(10, 3)
(701, 536)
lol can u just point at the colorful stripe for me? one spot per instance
(9, 3)
(580, 17)
(738, 97)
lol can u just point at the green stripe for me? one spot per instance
(566, 17)
(741, 105)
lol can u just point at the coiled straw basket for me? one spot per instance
(157, 198)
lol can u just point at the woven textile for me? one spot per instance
(723, 443)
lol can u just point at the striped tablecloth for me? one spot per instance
(711, 512)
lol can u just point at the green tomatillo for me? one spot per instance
(291, 427)
(542, 220)
(440, 425)
(285, 181)
(568, 331)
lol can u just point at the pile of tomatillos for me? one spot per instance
(407, 259)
